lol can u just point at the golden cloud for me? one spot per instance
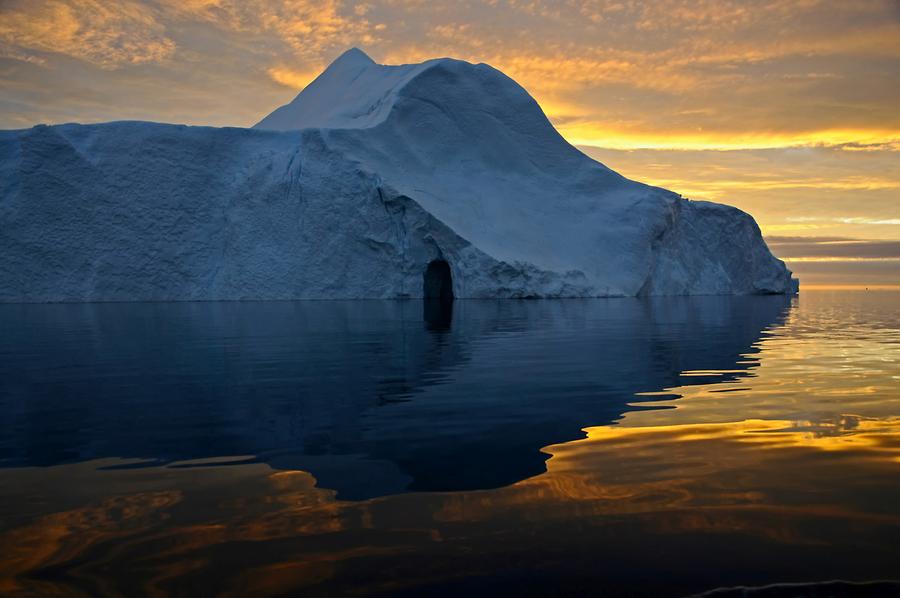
(599, 135)
(308, 27)
(291, 78)
(103, 33)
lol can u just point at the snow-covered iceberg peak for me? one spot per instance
(441, 107)
(371, 182)
(353, 92)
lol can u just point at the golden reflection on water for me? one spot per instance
(813, 475)
(754, 478)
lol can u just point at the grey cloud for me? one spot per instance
(833, 247)
(869, 273)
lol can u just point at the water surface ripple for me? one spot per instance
(642, 446)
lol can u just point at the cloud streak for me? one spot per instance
(833, 248)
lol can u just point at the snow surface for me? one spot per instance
(349, 191)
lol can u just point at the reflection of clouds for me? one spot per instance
(693, 451)
(835, 355)
(807, 484)
(60, 537)
(755, 479)
(818, 470)
(846, 432)
(820, 390)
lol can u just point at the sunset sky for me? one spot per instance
(789, 109)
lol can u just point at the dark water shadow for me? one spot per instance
(437, 314)
(367, 396)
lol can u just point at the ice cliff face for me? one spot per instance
(350, 191)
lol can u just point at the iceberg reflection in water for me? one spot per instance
(401, 446)
(365, 395)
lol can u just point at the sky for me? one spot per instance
(788, 109)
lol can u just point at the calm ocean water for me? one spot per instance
(623, 446)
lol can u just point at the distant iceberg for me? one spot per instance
(441, 178)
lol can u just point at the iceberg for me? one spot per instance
(439, 179)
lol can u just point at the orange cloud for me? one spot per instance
(307, 27)
(106, 34)
(597, 134)
(291, 78)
